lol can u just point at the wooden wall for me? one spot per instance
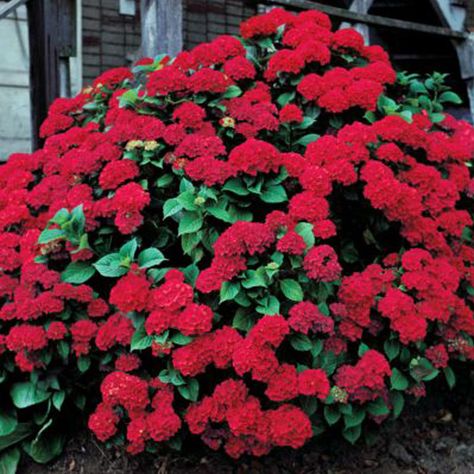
(109, 38)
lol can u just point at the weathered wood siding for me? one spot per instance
(15, 129)
(206, 19)
(109, 38)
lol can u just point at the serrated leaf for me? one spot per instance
(189, 223)
(27, 394)
(291, 289)
(110, 266)
(49, 235)
(150, 258)
(236, 186)
(231, 92)
(332, 414)
(171, 207)
(274, 194)
(450, 377)
(285, 98)
(8, 422)
(301, 342)
(229, 290)
(398, 402)
(352, 434)
(58, 399)
(307, 139)
(77, 273)
(9, 460)
(398, 380)
(378, 408)
(140, 340)
(391, 349)
(450, 96)
(354, 419)
(305, 230)
(129, 249)
(190, 391)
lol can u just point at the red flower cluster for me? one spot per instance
(247, 428)
(210, 228)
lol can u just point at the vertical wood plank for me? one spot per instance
(162, 27)
(51, 38)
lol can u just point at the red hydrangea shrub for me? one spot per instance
(248, 243)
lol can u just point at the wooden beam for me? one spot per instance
(372, 19)
(162, 27)
(360, 6)
(10, 6)
(51, 40)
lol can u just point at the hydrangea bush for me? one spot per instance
(252, 242)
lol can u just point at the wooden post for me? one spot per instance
(52, 41)
(162, 27)
(360, 6)
(456, 17)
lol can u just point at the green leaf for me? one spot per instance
(349, 253)
(77, 273)
(307, 139)
(22, 431)
(231, 92)
(236, 186)
(285, 98)
(49, 235)
(27, 394)
(83, 363)
(150, 258)
(171, 207)
(291, 289)
(317, 348)
(398, 380)
(220, 213)
(450, 377)
(254, 279)
(180, 339)
(190, 391)
(301, 342)
(187, 200)
(110, 266)
(451, 97)
(191, 272)
(8, 422)
(9, 461)
(352, 434)
(305, 230)
(354, 419)
(437, 117)
(128, 98)
(140, 340)
(58, 399)
(332, 414)
(129, 249)
(423, 369)
(378, 408)
(398, 402)
(418, 87)
(229, 291)
(242, 320)
(269, 306)
(48, 444)
(189, 223)
(274, 194)
(328, 362)
(392, 349)
(309, 405)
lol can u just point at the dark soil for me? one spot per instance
(435, 436)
